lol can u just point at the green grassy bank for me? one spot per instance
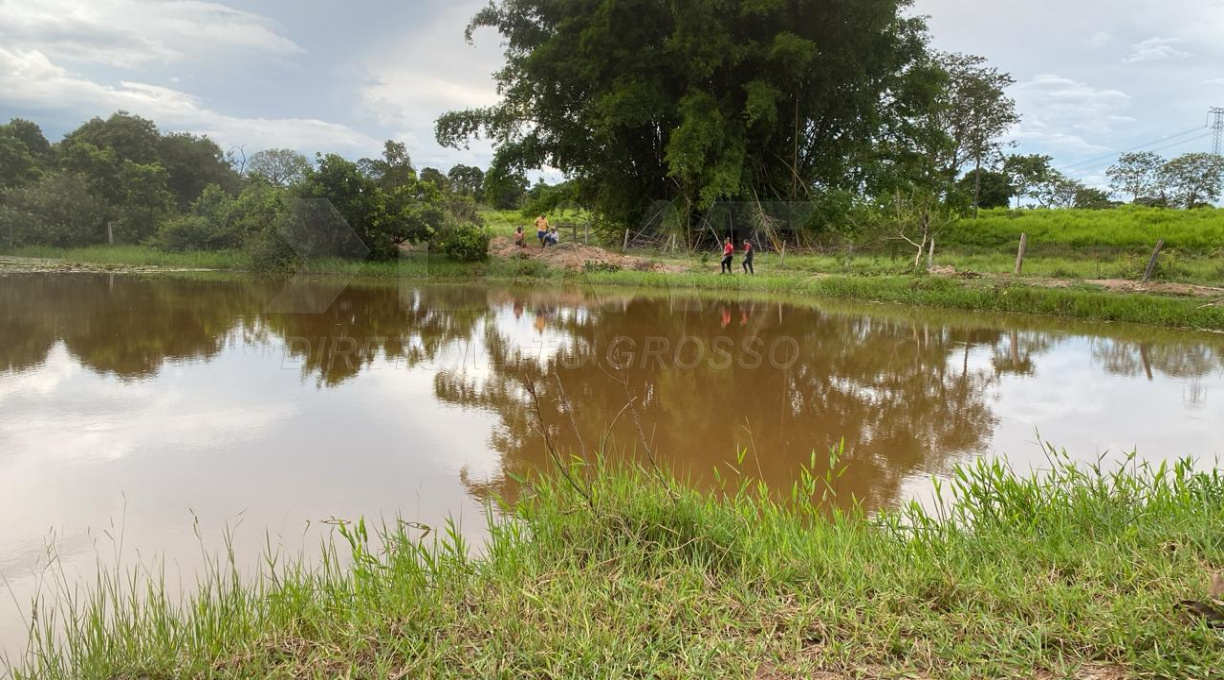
(1079, 300)
(622, 572)
(1126, 227)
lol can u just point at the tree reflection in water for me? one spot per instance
(909, 391)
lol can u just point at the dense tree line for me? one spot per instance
(786, 119)
(840, 105)
(121, 180)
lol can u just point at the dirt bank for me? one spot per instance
(575, 256)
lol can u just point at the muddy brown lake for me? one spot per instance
(152, 418)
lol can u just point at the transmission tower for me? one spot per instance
(1216, 116)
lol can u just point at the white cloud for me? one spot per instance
(411, 82)
(1100, 39)
(1156, 49)
(1066, 114)
(134, 33)
(29, 79)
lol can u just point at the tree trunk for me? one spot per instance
(931, 254)
(977, 185)
(795, 164)
(1020, 254)
(1151, 268)
(625, 246)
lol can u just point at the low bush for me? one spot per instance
(466, 243)
(591, 267)
(270, 253)
(189, 232)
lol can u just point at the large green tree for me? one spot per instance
(1027, 172)
(1136, 174)
(993, 189)
(29, 134)
(193, 162)
(279, 167)
(130, 137)
(120, 161)
(467, 180)
(973, 112)
(57, 209)
(392, 169)
(695, 101)
(504, 186)
(384, 205)
(24, 153)
(1193, 179)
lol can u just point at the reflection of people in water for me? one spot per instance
(518, 304)
(541, 321)
(726, 317)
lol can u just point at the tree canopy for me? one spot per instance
(695, 101)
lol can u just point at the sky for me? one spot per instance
(1093, 77)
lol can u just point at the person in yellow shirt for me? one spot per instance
(542, 229)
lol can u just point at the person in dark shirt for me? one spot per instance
(748, 258)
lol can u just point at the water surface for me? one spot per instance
(139, 412)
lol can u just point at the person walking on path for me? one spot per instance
(542, 230)
(748, 258)
(728, 254)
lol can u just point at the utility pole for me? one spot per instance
(1216, 116)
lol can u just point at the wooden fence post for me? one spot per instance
(1020, 254)
(625, 246)
(1151, 268)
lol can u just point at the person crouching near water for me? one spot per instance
(748, 258)
(519, 239)
(552, 238)
(542, 230)
(728, 254)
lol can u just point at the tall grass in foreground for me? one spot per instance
(619, 571)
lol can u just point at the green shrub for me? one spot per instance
(270, 253)
(465, 243)
(188, 232)
(532, 269)
(591, 267)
